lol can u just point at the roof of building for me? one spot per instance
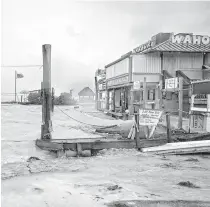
(118, 60)
(86, 92)
(168, 46)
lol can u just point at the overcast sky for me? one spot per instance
(85, 35)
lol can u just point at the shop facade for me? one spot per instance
(102, 94)
(164, 56)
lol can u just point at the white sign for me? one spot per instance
(149, 117)
(171, 83)
(100, 87)
(136, 85)
(118, 81)
(190, 39)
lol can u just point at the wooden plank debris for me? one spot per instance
(181, 148)
(80, 145)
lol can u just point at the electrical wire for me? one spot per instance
(81, 121)
(21, 66)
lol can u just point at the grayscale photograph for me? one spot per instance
(105, 103)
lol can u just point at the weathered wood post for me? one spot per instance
(168, 125)
(146, 129)
(46, 91)
(180, 102)
(96, 97)
(15, 86)
(137, 132)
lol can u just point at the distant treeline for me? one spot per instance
(63, 99)
(35, 99)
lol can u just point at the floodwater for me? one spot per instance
(111, 176)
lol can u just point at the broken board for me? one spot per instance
(94, 144)
(181, 148)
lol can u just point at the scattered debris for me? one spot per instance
(192, 160)
(30, 159)
(114, 187)
(188, 184)
(40, 190)
(169, 165)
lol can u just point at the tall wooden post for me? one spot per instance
(168, 125)
(180, 102)
(96, 97)
(144, 92)
(146, 129)
(137, 128)
(15, 86)
(47, 99)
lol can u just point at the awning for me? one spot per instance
(201, 87)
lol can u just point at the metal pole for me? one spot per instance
(15, 85)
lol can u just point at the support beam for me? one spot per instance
(180, 102)
(168, 125)
(96, 90)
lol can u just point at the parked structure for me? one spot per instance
(86, 95)
(166, 55)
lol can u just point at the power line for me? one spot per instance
(81, 121)
(21, 66)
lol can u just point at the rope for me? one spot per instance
(81, 121)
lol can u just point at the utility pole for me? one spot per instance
(46, 93)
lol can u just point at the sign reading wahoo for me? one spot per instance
(190, 39)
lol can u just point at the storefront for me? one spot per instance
(118, 80)
(164, 56)
(119, 94)
(170, 55)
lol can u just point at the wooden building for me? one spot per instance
(86, 95)
(165, 55)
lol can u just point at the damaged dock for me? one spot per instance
(93, 145)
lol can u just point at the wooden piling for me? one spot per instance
(47, 102)
(168, 125)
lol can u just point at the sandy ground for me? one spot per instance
(113, 175)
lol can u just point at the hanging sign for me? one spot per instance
(136, 85)
(149, 117)
(171, 83)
